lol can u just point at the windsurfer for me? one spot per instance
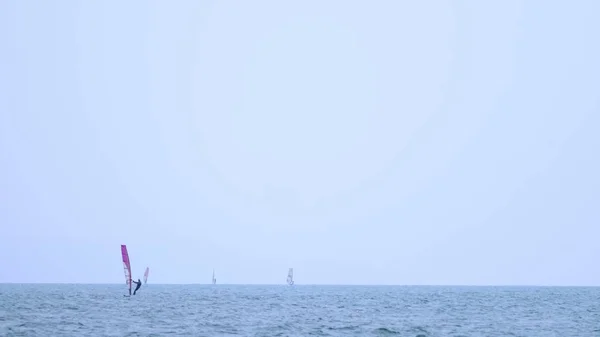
(138, 285)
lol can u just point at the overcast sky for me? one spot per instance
(360, 142)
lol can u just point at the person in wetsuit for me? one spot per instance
(138, 285)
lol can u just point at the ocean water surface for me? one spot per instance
(237, 310)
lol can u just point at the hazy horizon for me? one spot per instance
(320, 284)
(435, 142)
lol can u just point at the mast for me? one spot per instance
(126, 266)
(146, 275)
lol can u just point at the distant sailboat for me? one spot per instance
(126, 266)
(214, 280)
(290, 277)
(146, 275)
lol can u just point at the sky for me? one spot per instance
(359, 142)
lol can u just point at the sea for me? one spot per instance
(299, 310)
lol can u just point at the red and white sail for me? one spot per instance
(126, 266)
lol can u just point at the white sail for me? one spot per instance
(290, 277)
(214, 280)
(146, 275)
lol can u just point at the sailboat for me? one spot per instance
(146, 275)
(214, 280)
(126, 267)
(290, 277)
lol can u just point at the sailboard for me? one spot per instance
(290, 277)
(126, 266)
(214, 280)
(146, 275)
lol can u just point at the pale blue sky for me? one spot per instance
(360, 142)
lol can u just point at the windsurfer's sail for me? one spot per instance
(214, 280)
(146, 275)
(126, 266)
(290, 278)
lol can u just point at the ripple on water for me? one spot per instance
(77, 310)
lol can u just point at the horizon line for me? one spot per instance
(316, 284)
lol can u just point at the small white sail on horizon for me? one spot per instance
(214, 280)
(290, 277)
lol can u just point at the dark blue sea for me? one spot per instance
(237, 310)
